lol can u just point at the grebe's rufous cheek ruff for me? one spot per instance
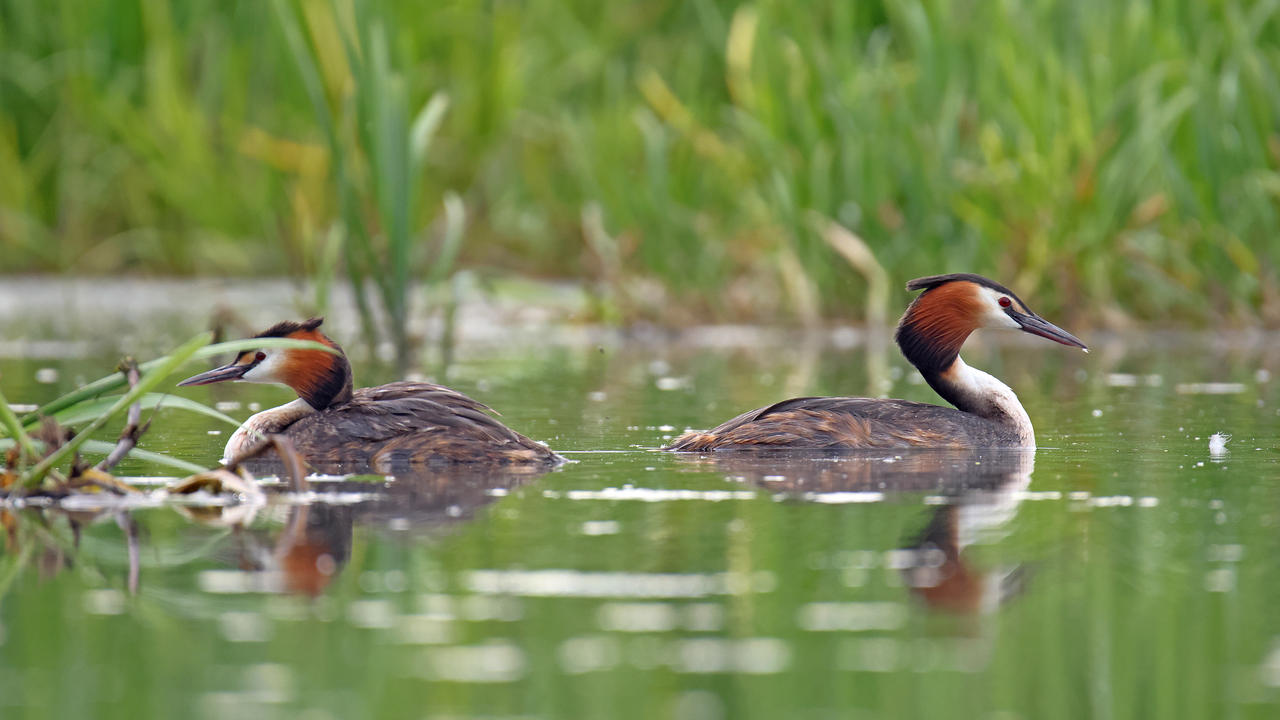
(381, 427)
(930, 335)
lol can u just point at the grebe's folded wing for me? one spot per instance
(446, 397)
(409, 422)
(402, 409)
(848, 423)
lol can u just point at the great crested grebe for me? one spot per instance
(390, 425)
(930, 335)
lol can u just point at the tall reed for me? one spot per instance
(1115, 160)
(378, 151)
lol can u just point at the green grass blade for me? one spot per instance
(305, 63)
(102, 447)
(425, 126)
(87, 411)
(14, 429)
(455, 220)
(148, 381)
(117, 379)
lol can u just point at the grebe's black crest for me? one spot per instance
(289, 327)
(933, 281)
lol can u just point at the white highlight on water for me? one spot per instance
(601, 527)
(1210, 388)
(105, 601)
(497, 662)
(750, 656)
(671, 383)
(650, 494)
(637, 617)
(573, 583)
(844, 498)
(1131, 380)
(850, 616)
(244, 626)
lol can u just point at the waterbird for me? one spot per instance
(392, 425)
(930, 334)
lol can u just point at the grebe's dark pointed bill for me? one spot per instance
(1037, 325)
(233, 371)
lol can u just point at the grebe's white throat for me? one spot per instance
(982, 394)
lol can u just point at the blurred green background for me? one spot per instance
(689, 160)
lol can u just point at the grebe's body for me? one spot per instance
(987, 413)
(380, 427)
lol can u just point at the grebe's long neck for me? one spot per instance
(930, 335)
(977, 392)
(321, 379)
(250, 437)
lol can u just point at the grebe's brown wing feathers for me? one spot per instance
(843, 423)
(405, 423)
(446, 397)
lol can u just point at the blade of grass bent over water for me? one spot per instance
(117, 379)
(102, 447)
(85, 412)
(152, 378)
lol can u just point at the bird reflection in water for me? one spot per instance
(972, 494)
(940, 572)
(308, 551)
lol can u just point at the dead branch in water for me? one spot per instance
(133, 428)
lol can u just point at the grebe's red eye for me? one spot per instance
(1004, 302)
(260, 356)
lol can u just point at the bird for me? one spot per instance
(930, 334)
(394, 425)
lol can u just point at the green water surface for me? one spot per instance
(1121, 571)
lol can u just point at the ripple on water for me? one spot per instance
(574, 583)
(498, 661)
(650, 494)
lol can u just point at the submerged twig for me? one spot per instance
(130, 527)
(294, 464)
(294, 532)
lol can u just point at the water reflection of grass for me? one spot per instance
(1098, 155)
